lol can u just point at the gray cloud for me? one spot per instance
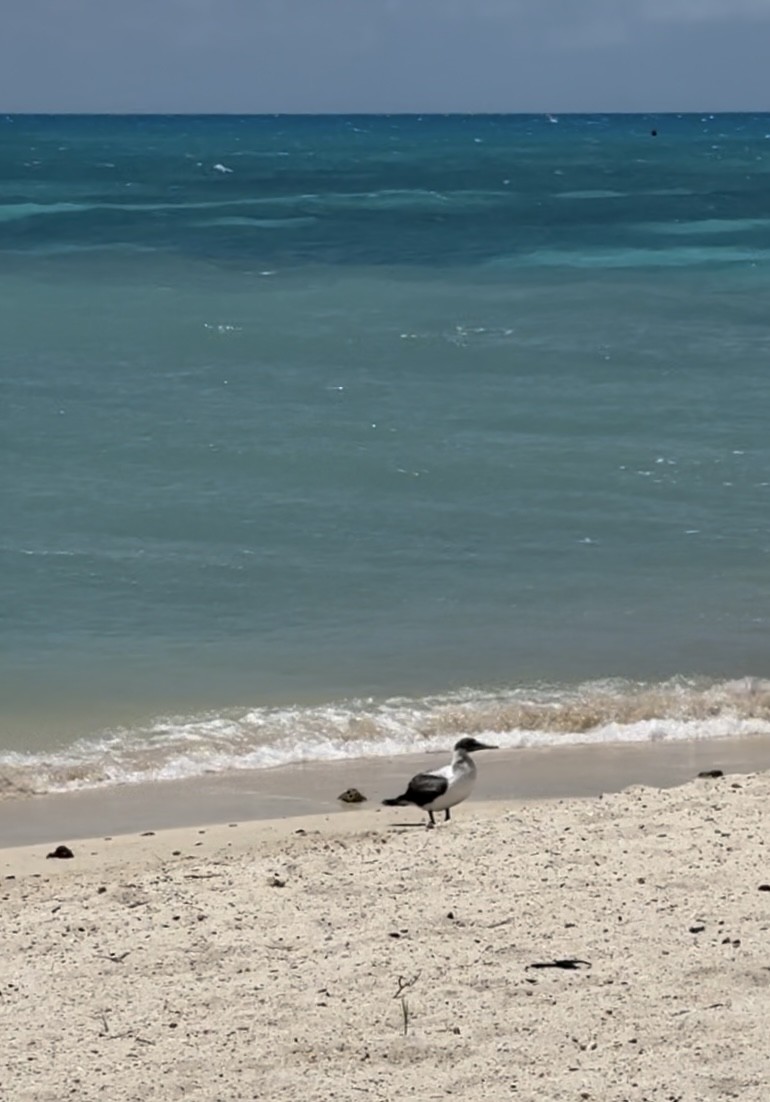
(383, 55)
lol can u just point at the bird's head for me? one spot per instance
(471, 745)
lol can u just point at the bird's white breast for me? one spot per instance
(461, 777)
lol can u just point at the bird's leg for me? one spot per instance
(431, 821)
(447, 816)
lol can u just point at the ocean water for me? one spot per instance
(333, 436)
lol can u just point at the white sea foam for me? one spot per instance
(263, 738)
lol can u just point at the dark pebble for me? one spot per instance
(61, 851)
(697, 929)
(764, 887)
(352, 796)
(711, 773)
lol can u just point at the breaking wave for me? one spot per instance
(261, 738)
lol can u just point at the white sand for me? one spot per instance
(257, 962)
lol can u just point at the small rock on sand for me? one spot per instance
(61, 851)
(351, 796)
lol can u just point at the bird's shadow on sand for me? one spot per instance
(409, 826)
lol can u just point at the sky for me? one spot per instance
(384, 55)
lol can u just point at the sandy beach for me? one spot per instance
(348, 956)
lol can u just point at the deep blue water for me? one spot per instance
(332, 435)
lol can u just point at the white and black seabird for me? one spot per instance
(442, 788)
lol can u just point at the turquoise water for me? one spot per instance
(329, 436)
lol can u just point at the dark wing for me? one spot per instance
(425, 788)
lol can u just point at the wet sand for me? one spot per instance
(313, 789)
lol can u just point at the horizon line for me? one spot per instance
(669, 113)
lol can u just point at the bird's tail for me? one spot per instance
(397, 801)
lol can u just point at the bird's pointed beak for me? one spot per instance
(486, 746)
